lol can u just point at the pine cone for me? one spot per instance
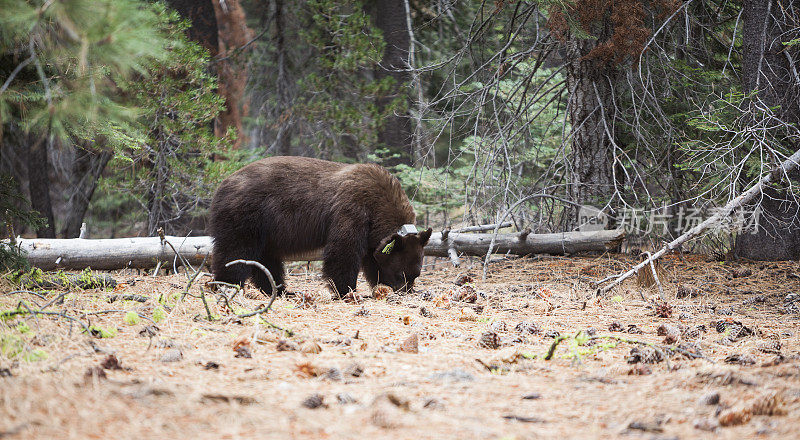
(688, 292)
(615, 326)
(645, 355)
(381, 291)
(411, 344)
(528, 327)
(462, 279)
(663, 310)
(770, 346)
(490, 340)
(770, 404)
(466, 293)
(394, 299)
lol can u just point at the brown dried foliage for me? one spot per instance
(619, 26)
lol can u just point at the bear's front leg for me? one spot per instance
(344, 251)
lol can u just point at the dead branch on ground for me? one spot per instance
(787, 166)
(271, 282)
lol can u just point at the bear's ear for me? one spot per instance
(388, 245)
(424, 236)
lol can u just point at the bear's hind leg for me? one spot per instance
(235, 274)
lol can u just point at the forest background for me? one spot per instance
(126, 114)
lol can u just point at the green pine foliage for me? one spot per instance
(12, 209)
(171, 171)
(336, 96)
(331, 50)
(73, 55)
(119, 75)
(63, 64)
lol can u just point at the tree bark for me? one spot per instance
(768, 66)
(86, 171)
(396, 132)
(204, 22)
(39, 183)
(769, 70)
(591, 115)
(523, 243)
(14, 149)
(232, 69)
(283, 139)
(777, 236)
(146, 252)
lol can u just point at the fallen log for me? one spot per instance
(524, 243)
(147, 252)
(111, 253)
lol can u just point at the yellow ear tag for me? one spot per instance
(388, 248)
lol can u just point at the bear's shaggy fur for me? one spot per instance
(283, 206)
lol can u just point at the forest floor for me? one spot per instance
(446, 361)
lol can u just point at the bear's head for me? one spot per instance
(399, 259)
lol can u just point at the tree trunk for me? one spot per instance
(159, 200)
(14, 148)
(283, 139)
(86, 171)
(39, 183)
(232, 69)
(396, 131)
(769, 69)
(768, 66)
(778, 235)
(204, 21)
(591, 115)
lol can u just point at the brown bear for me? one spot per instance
(283, 206)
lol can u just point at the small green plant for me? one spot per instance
(11, 345)
(23, 327)
(100, 332)
(5, 315)
(131, 318)
(579, 347)
(159, 314)
(35, 355)
(28, 278)
(169, 300)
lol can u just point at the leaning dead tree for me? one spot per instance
(789, 165)
(147, 252)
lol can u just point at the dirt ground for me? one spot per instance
(446, 361)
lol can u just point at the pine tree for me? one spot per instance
(62, 62)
